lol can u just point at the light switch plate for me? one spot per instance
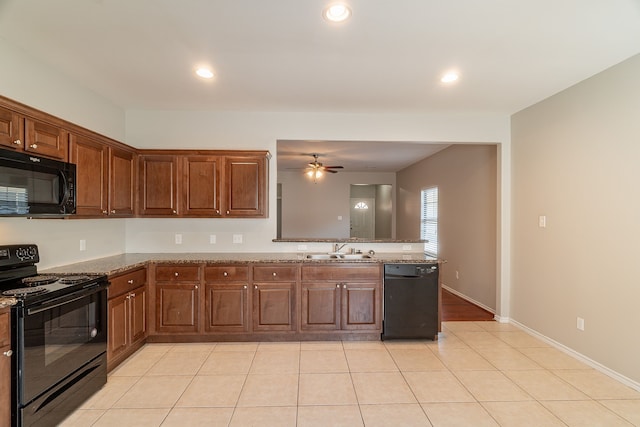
(83, 245)
(212, 239)
(178, 239)
(542, 221)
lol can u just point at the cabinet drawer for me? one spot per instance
(349, 272)
(226, 273)
(275, 273)
(178, 273)
(127, 281)
(5, 331)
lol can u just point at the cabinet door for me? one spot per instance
(320, 306)
(177, 307)
(245, 184)
(361, 306)
(5, 385)
(138, 314)
(10, 129)
(90, 158)
(201, 182)
(274, 307)
(227, 307)
(118, 325)
(46, 140)
(121, 182)
(158, 185)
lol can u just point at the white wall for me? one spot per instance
(261, 131)
(466, 177)
(575, 160)
(36, 85)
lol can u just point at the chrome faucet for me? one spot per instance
(337, 247)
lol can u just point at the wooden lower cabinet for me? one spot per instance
(6, 355)
(344, 297)
(274, 297)
(127, 314)
(227, 298)
(274, 307)
(177, 307)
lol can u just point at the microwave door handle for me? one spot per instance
(65, 190)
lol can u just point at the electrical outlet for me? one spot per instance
(406, 247)
(212, 239)
(237, 238)
(178, 238)
(542, 221)
(339, 217)
(83, 245)
(580, 323)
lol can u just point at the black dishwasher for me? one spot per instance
(410, 301)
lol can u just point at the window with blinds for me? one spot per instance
(429, 220)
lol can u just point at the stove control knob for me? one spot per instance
(25, 254)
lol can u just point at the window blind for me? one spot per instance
(429, 220)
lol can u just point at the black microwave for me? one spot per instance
(33, 186)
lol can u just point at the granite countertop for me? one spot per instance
(7, 302)
(119, 263)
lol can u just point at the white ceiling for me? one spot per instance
(280, 55)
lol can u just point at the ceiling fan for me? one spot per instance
(317, 166)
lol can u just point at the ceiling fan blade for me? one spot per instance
(334, 167)
(330, 171)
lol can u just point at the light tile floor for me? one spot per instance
(476, 374)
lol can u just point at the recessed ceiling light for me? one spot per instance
(205, 73)
(337, 12)
(450, 77)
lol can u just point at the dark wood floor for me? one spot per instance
(456, 308)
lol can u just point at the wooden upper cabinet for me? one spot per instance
(11, 131)
(121, 182)
(158, 185)
(91, 160)
(35, 136)
(201, 186)
(203, 183)
(245, 183)
(105, 177)
(45, 139)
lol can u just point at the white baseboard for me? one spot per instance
(581, 357)
(471, 300)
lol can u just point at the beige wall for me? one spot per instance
(312, 210)
(575, 159)
(467, 189)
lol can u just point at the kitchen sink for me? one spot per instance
(338, 256)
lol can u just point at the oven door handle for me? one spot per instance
(67, 299)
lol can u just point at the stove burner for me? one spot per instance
(38, 280)
(22, 292)
(72, 280)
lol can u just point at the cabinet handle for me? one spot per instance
(275, 274)
(175, 274)
(225, 274)
(8, 353)
(255, 286)
(344, 286)
(132, 294)
(17, 142)
(245, 286)
(128, 297)
(338, 285)
(228, 212)
(174, 212)
(113, 211)
(104, 212)
(130, 281)
(196, 287)
(34, 146)
(218, 211)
